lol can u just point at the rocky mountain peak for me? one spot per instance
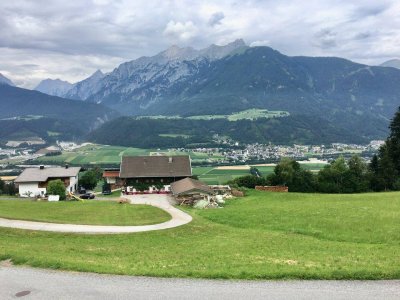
(177, 53)
(54, 87)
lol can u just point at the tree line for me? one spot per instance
(340, 176)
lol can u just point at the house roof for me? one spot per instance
(42, 175)
(155, 166)
(8, 178)
(111, 173)
(189, 185)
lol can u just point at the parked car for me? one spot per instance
(87, 196)
(106, 189)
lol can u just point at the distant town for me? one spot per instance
(230, 153)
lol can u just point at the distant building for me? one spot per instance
(33, 181)
(111, 176)
(8, 179)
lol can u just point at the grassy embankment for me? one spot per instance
(89, 212)
(262, 236)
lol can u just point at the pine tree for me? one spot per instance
(393, 141)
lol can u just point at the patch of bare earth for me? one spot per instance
(6, 263)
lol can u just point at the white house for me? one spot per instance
(33, 181)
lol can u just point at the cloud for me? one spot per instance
(260, 43)
(71, 39)
(362, 35)
(325, 38)
(216, 19)
(181, 31)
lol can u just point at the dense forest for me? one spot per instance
(48, 129)
(147, 133)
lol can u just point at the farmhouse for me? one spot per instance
(157, 170)
(33, 181)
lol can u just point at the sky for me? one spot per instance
(71, 39)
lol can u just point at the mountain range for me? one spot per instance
(236, 77)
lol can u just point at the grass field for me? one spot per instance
(261, 236)
(89, 212)
(103, 154)
(211, 175)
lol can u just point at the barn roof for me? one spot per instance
(189, 185)
(41, 175)
(155, 166)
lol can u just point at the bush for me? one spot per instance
(56, 187)
(89, 179)
(249, 181)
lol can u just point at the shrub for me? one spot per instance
(56, 187)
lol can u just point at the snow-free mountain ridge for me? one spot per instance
(54, 87)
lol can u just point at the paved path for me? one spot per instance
(48, 284)
(179, 218)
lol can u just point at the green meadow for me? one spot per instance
(211, 175)
(261, 236)
(104, 155)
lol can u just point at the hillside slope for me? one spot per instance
(155, 133)
(16, 104)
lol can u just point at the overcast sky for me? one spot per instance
(71, 39)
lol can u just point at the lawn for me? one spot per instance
(89, 212)
(261, 236)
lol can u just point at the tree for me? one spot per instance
(2, 185)
(89, 179)
(386, 168)
(288, 172)
(10, 189)
(358, 176)
(393, 141)
(332, 177)
(56, 187)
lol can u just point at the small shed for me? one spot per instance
(188, 191)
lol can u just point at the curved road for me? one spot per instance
(179, 218)
(22, 282)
